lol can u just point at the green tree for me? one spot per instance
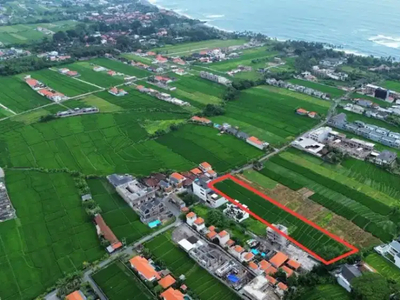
(370, 286)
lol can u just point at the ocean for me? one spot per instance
(364, 27)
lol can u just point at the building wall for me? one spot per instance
(199, 191)
(344, 283)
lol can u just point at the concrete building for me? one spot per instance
(202, 191)
(276, 237)
(135, 194)
(257, 143)
(346, 275)
(215, 78)
(259, 289)
(384, 158)
(309, 145)
(320, 135)
(235, 212)
(116, 179)
(153, 210)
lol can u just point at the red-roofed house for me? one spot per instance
(237, 251)
(278, 259)
(167, 281)
(301, 111)
(77, 295)
(293, 264)
(201, 120)
(211, 228)
(177, 179)
(105, 231)
(160, 59)
(223, 237)
(255, 268)
(172, 294)
(151, 53)
(288, 271)
(33, 83)
(247, 257)
(257, 143)
(117, 92)
(190, 218)
(212, 235)
(230, 243)
(144, 268)
(205, 166)
(199, 224)
(112, 73)
(270, 270)
(312, 114)
(196, 171)
(271, 279)
(72, 73)
(179, 61)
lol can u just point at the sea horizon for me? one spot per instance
(304, 20)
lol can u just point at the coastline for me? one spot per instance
(208, 19)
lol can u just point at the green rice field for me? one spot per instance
(51, 237)
(383, 266)
(269, 113)
(179, 262)
(120, 283)
(118, 215)
(332, 91)
(305, 234)
(120, 67)
(327, 292)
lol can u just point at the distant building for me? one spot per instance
(346, 275)
(117, 180)
(215, 78)
(258, 289)
(117, 92)
(384, 158)
(276, 237)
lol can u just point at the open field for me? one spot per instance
(18, 96)
(327, 292)
(118, 215)
(305, 234)
(52, 236)
(24, 33)
(61, 83)
(201, 143)
(120, 67)
(332, 91)
(186, 48)
(85, 69)
(383, 266)
(143, 59)
(119, 283)
(269, 113)
(197, 279)
(370, 209)
(392, 85)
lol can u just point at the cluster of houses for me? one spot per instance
(298, 88)
(44, 90)
(77, 112)
(304, 112)
(147, 271)
(117, 92)
(316, 142)
(162, 82)
(372, 132)
(54, 56)
(262, 269)
(44, 30)
(329, 73)
(68, 72)
(239, 69)
(215, 78)
(161, 96)
(227, 128)
(12, 53)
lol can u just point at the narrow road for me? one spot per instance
(7, 109)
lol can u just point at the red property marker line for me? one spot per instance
(257, 192)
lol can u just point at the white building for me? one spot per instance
(202, 191)
(346, 275)
(320, 134)
(235, 212)
(276, 237)
(135, 194)
(258, 289)
(223, 237)
(199, 224)
(190, 218)
(257, 143)
(308, 145)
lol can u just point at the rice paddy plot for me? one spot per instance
(52, 236)
(310, 237)
(202, 283)
(327, 292)
(120, 283)
(332, 91)
(118, 66)
(392, 85)
(118, 215)
(383, 266)
(18, 96)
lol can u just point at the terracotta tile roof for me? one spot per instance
(196, 171)
(211, 235)
(271, 279)
(264, 264)
(111, 73)
(230, 243)
(288, 271)
(72, 73)
(223, 233)
(139, 87)
(191, 215)
(239, 249)
(270, 270)
(253, 265)
(205, 165)
(177, 176)
(77, 295)
(255, 140)
(249, 256)
(211, 228)
(282, 286)
(167, 281)
(45, 92)
(31, 82)
(105, 230)
(114, 90)
(313, 113)
(172, 294)
(151, 53)
(278, 259)
(199, 221)
(199, 119)
(211, 172)
(301, 111)
(293, 264)
(143, 267)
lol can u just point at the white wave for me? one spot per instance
(388, 41)
(214, 16)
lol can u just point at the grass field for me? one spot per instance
(52, 236)
(61, 83)
(332, 91)
(327, 292)
(269, 113)
(392, 85)
(197, 279)
(18, 96)
(118, 215)
(186, 48)
(120, 67)
(356, 200)
(383, 266)
(305, 234)
(120, 283)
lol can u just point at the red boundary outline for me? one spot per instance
(245, 185)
